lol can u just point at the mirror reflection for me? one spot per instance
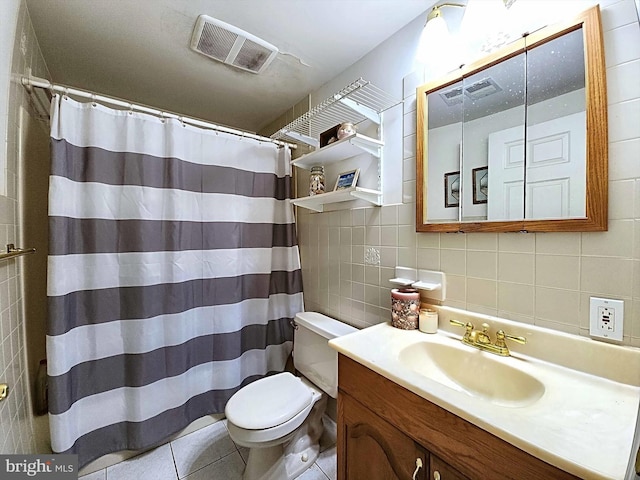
(556, 129)
(505, 140)
(445, 134)
(492, 141)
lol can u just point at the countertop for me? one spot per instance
(584, 423)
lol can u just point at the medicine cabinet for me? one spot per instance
(518, 140)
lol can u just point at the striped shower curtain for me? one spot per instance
(173, 274)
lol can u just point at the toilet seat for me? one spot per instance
(268, 402)
(267, 437)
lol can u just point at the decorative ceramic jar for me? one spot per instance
(316, 180)
(405, 308)
(345, 129)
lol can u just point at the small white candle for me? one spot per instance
(428, 322)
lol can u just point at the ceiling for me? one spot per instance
(138, 50)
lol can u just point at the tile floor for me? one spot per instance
(209, 454)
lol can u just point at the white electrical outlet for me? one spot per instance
(606, 318)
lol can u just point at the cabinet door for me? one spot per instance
(372, 449)
(439, 470)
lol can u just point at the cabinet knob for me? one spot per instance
(436, 475)
(418, 467)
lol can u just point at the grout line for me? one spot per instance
(173, 458)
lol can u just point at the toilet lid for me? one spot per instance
(268, 402)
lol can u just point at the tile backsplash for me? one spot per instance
(544, 279)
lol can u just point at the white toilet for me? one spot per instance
(279, 418)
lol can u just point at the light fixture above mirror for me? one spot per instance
(436, 32)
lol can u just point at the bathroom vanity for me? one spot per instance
(384, 429)
(413, 405)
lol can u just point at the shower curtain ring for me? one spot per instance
(162, 119)
(131, 109)
(66, 93)
(93, 100)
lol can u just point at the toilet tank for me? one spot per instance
(312, 355)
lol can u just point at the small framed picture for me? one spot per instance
(329, 136)
(347, 179)
(452, 189)
(480, 184)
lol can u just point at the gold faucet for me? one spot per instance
(482, 341)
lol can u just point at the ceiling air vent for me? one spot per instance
(452, 96)
(228, 44)
(482, 88)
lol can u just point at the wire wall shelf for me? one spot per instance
(355, 103)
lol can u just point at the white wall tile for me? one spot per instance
(409, 146)
(622, 45)
(429, 259)
(411, 82)
(560, 306)
(621, 199)
(482, 241)
(558, 271)
(516, 242)
(559, 243)
(410, 120)
(619, 89)
(624, 161)
(516, 267)
(482, 292)
(515, 298)
(624, 120)
(453, 262)
(616, 242)
(606, 276)
(482, 264)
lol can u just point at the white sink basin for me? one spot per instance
(474, 372)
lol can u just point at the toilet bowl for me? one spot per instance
(279, 417)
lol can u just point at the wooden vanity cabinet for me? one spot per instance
(376, 449)
(383, 429)
(440, 470)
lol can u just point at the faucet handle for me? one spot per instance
(457, 323)
(500, 336)
(468, 329)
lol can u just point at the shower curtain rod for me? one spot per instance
(29, 82)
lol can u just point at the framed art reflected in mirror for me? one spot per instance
(452, 189)
(480, 179)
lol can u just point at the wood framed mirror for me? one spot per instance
(547, 91)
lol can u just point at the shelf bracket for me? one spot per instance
(302, 138)
(318, 208)
(367, 147)
(371, 197)
(366, 112)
